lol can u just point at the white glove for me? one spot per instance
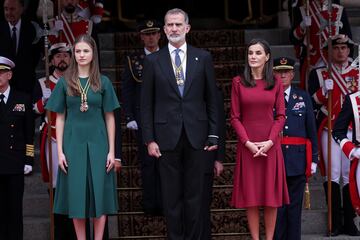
(96, 19)
(58, 25)
(355, 153)
(313, 168)
(328, 85)
(132, 125)
(306, 22)
(47, 93)
(27, 169)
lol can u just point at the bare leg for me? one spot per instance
(99, 225)
(254, 221)
(270, 221)
(79, 224)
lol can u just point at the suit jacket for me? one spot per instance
(165, 113)
(17, 134)
(300, 122)
(27, 57)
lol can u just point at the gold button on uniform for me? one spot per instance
(11, 147)
(287, 146)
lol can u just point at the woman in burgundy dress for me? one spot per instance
(258, 116)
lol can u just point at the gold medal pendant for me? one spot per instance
(83, 95)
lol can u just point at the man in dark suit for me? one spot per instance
(300, 149)
(16, 151)
(149, 31)
(17, 43)
(180, 123)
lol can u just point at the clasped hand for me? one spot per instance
(259, 149)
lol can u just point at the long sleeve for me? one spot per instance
(311, 128)
(235, 115)
(279, 118)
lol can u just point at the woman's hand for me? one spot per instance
(251, 147)
(62, 162)
(263, 148)
(110, 162)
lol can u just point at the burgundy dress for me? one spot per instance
(259, 181)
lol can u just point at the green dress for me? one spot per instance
(86, 190)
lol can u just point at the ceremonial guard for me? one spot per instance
(59, 57)
(311, 25)
(299, 147)
(149, 31)
(16, 151)
(350, 115)
(342, 81)
(75, 19)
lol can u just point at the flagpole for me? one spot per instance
(48, 114)
(329, 109)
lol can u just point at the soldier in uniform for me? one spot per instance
(316, 21)
(16, 151)
(343, 80)
(74, 20)
(149, 31)
(59, 57)
(299, 147)
(349, 115)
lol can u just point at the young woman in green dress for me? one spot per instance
(84, 101)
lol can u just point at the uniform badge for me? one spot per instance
(298, 106)
(19, 107)
(294, 96)
(301, 98)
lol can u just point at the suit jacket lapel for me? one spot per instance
(191, 64)
(167, 68)
(10, 101)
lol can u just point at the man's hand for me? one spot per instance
(211, 144)
(27, 169)
(117, 165)
(313, 168)
(153, 150)
(218, 168)
(328, 85)
(306, 22)
(132, 125)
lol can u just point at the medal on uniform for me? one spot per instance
(179, 79)
(83, 95)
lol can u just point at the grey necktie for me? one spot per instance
(180, 80)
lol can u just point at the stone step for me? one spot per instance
(36, 228)
(322, 237)
(34, 185)
(36, 205)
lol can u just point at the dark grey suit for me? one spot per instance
(180, 125)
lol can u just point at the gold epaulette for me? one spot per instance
(131, 70)
(29, 150)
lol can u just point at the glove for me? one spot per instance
(47, 93)
(27, 169)
(306, 22)
(355, 153)
(328, 85)
(313, 168)
(132, 125)
(58, 25)
(96, 19)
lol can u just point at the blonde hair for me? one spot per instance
(72, 73)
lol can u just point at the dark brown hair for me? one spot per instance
(72, 73)
(247, 79)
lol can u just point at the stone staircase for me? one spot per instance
(227, 48)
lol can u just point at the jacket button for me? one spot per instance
(286, 127)
(300, 114)
(11, 136)
(287, 146)
(11, 147)
(12, 125)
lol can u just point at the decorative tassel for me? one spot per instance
(307, 197)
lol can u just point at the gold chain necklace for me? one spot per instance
(179, 79)
(83, 94)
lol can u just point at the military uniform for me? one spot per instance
(131, 94)
(300, 150)
(319, 32)
(16, 151)
(346, 81)
(349, 115)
